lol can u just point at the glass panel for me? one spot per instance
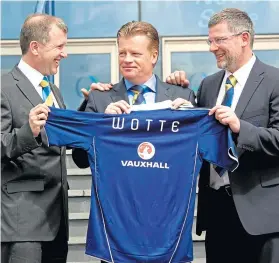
(197, 65)
(13, 14)
(8, 62)
(270, 57)
(103, 18)
(96, 18)
(79, 71)
(182, 18)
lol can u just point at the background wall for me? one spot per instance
(102, 19)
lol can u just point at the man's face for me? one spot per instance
(50, 54)
(228, 49)
(136, 60)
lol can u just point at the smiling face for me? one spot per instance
(136, 58)
(50, 53)
(229, 54)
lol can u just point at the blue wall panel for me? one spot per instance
(76, 72)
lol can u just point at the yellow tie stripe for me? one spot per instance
(47, 93)
(136, 94)
(44, 83)
(233, 81)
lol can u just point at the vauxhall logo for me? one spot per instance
(146, 151)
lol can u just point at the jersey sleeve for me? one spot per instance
(216, 145)
(70, 128)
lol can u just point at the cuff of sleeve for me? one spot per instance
(246, 135)
(26, 138)
(83, 106)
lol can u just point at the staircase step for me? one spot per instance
(79, 204)
(77, 254)
(79, 192)
(77, 171)
(79, 182)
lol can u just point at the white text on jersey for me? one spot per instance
(159, 165)
(118, 124)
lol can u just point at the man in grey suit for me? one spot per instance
(240, 210)
(34, 205)
(138, 48)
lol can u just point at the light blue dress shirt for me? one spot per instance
(149, 96)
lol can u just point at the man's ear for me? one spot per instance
(154, 57)
(246, 38)
(34, 47)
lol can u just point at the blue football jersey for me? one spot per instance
(144, 172)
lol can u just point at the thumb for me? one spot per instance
(85, 93)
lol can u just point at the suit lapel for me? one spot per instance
(253, 82)
(57, 97)
(214, 88)
(119, 92)
(26, 87)
(162, 91)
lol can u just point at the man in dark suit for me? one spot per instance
(34, 205)
(239, 210)
(138, 48)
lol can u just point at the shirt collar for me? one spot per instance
(151, 83)
(34, 76)
(242, 73)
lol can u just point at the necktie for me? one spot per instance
(138, 97)
(47, 93)
(230, 84)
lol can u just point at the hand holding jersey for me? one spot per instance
(118, 107)
(37, 118)
(122, 106)
(226, 116)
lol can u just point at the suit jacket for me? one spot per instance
(33, 176)
(99, 100)
(255, 183)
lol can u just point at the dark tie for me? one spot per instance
(47, 93)
(138, 97)
(230, 84)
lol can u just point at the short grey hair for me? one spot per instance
(36, 27)
(238, 21)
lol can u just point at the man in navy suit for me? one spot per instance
(239, 211)
(138, 48)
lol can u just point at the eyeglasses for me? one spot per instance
(220, 40)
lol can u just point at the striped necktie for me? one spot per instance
(47, 93)
(230, 84)
(138, 97)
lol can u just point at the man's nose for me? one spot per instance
(64, 53)
(128, 58)
(213, 47)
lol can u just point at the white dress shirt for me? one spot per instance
(35, 77)
(241, 76)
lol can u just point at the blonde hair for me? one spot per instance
(136, 28)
